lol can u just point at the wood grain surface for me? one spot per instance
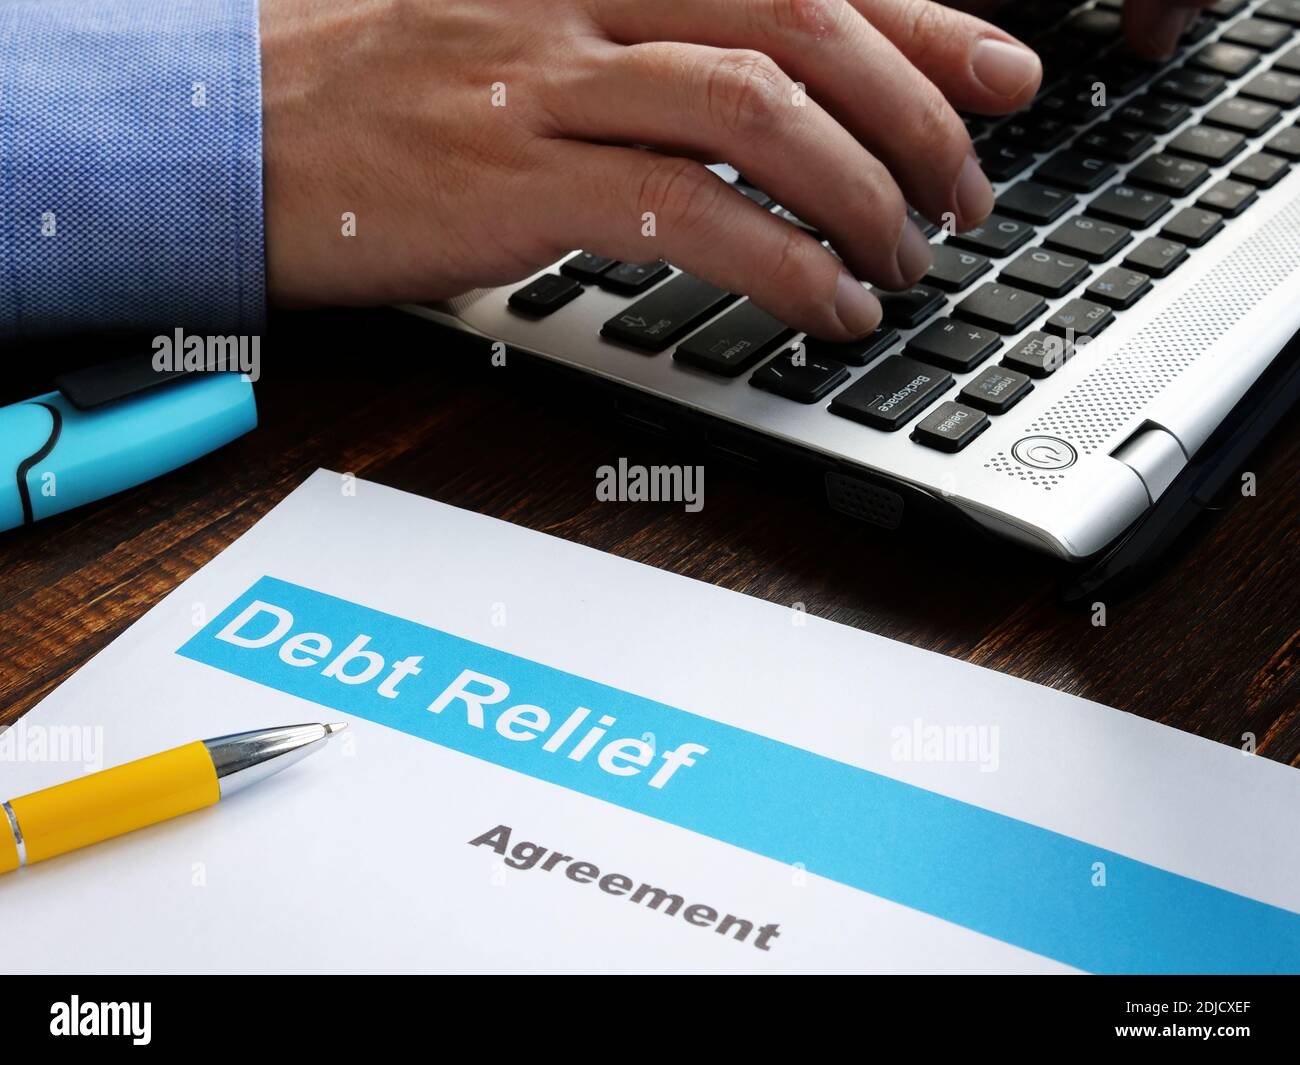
(1210, 645)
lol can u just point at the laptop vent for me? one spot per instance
(1104, 404)
(864, 501)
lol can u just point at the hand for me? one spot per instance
(1152, 27)
(476, 141)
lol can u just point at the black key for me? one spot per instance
(1079, 318)
(996, 390)
(891, 393)
(1275, 87)
(1287, 11)
(1261, 169)
(950, 427)
(1226, 8)
(1099, 24)
(1095, 240)
(794, 375)
(1035, 130)
(1073, 170)
(921, 222)
(1156, 256)
(953, 345)
(1002, 162)
(1046, 272)
(1038, 355)
(1193, 226)
(996, 236)
(953, 269)
(1084, 100)
(911, 306)
(1001, 308)
(1034, 202)
(1120, 73)
(1129, 206)
(586, 267)
(659, 318)
(631, 278)
(1286, 144)
(1153, 113)
(1119, 288)
(1258, 33)
(1228, 197)
(1230, 60)
(1189, 86)
(1115, 140)
(732, 343)
(1168, 173)
(1197, 32)
(854, 352)
(1209, 145)
(1288, 61)
(1066, 106)
(544, 294)
(1250, 117)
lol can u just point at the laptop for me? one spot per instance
(1060, 366)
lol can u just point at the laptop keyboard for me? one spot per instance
(1116, 174)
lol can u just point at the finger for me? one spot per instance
(976, 66)
(1153, 27)
(708, 229)
(739, 106)
(852, 71)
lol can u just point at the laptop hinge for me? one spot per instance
(1155, 455)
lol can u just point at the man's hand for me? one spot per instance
(475, 141)
(1152, 27)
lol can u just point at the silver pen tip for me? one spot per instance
(335, 726)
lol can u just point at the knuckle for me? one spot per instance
(878, 199)
(745, 92)
(809, 18)
(677, 191)
(923, 28)
(792, 263)
(889, 215)
(938, 128)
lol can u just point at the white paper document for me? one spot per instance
(559, 760)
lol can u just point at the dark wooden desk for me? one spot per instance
(1210, 646)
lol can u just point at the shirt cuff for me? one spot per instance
(130, 167)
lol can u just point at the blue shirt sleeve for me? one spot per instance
(130, 167)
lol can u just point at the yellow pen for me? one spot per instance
(120, 800)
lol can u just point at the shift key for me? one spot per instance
(668, 312)
(891, 393)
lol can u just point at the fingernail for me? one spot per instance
(1003, 68)
(856, 308)
(974, 194)
(1169, 27)
(913, 256)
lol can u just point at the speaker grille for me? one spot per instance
(1100, 406)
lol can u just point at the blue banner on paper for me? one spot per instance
(1005, 878)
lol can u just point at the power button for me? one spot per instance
(1044, 453)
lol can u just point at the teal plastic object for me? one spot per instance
(54, 457)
